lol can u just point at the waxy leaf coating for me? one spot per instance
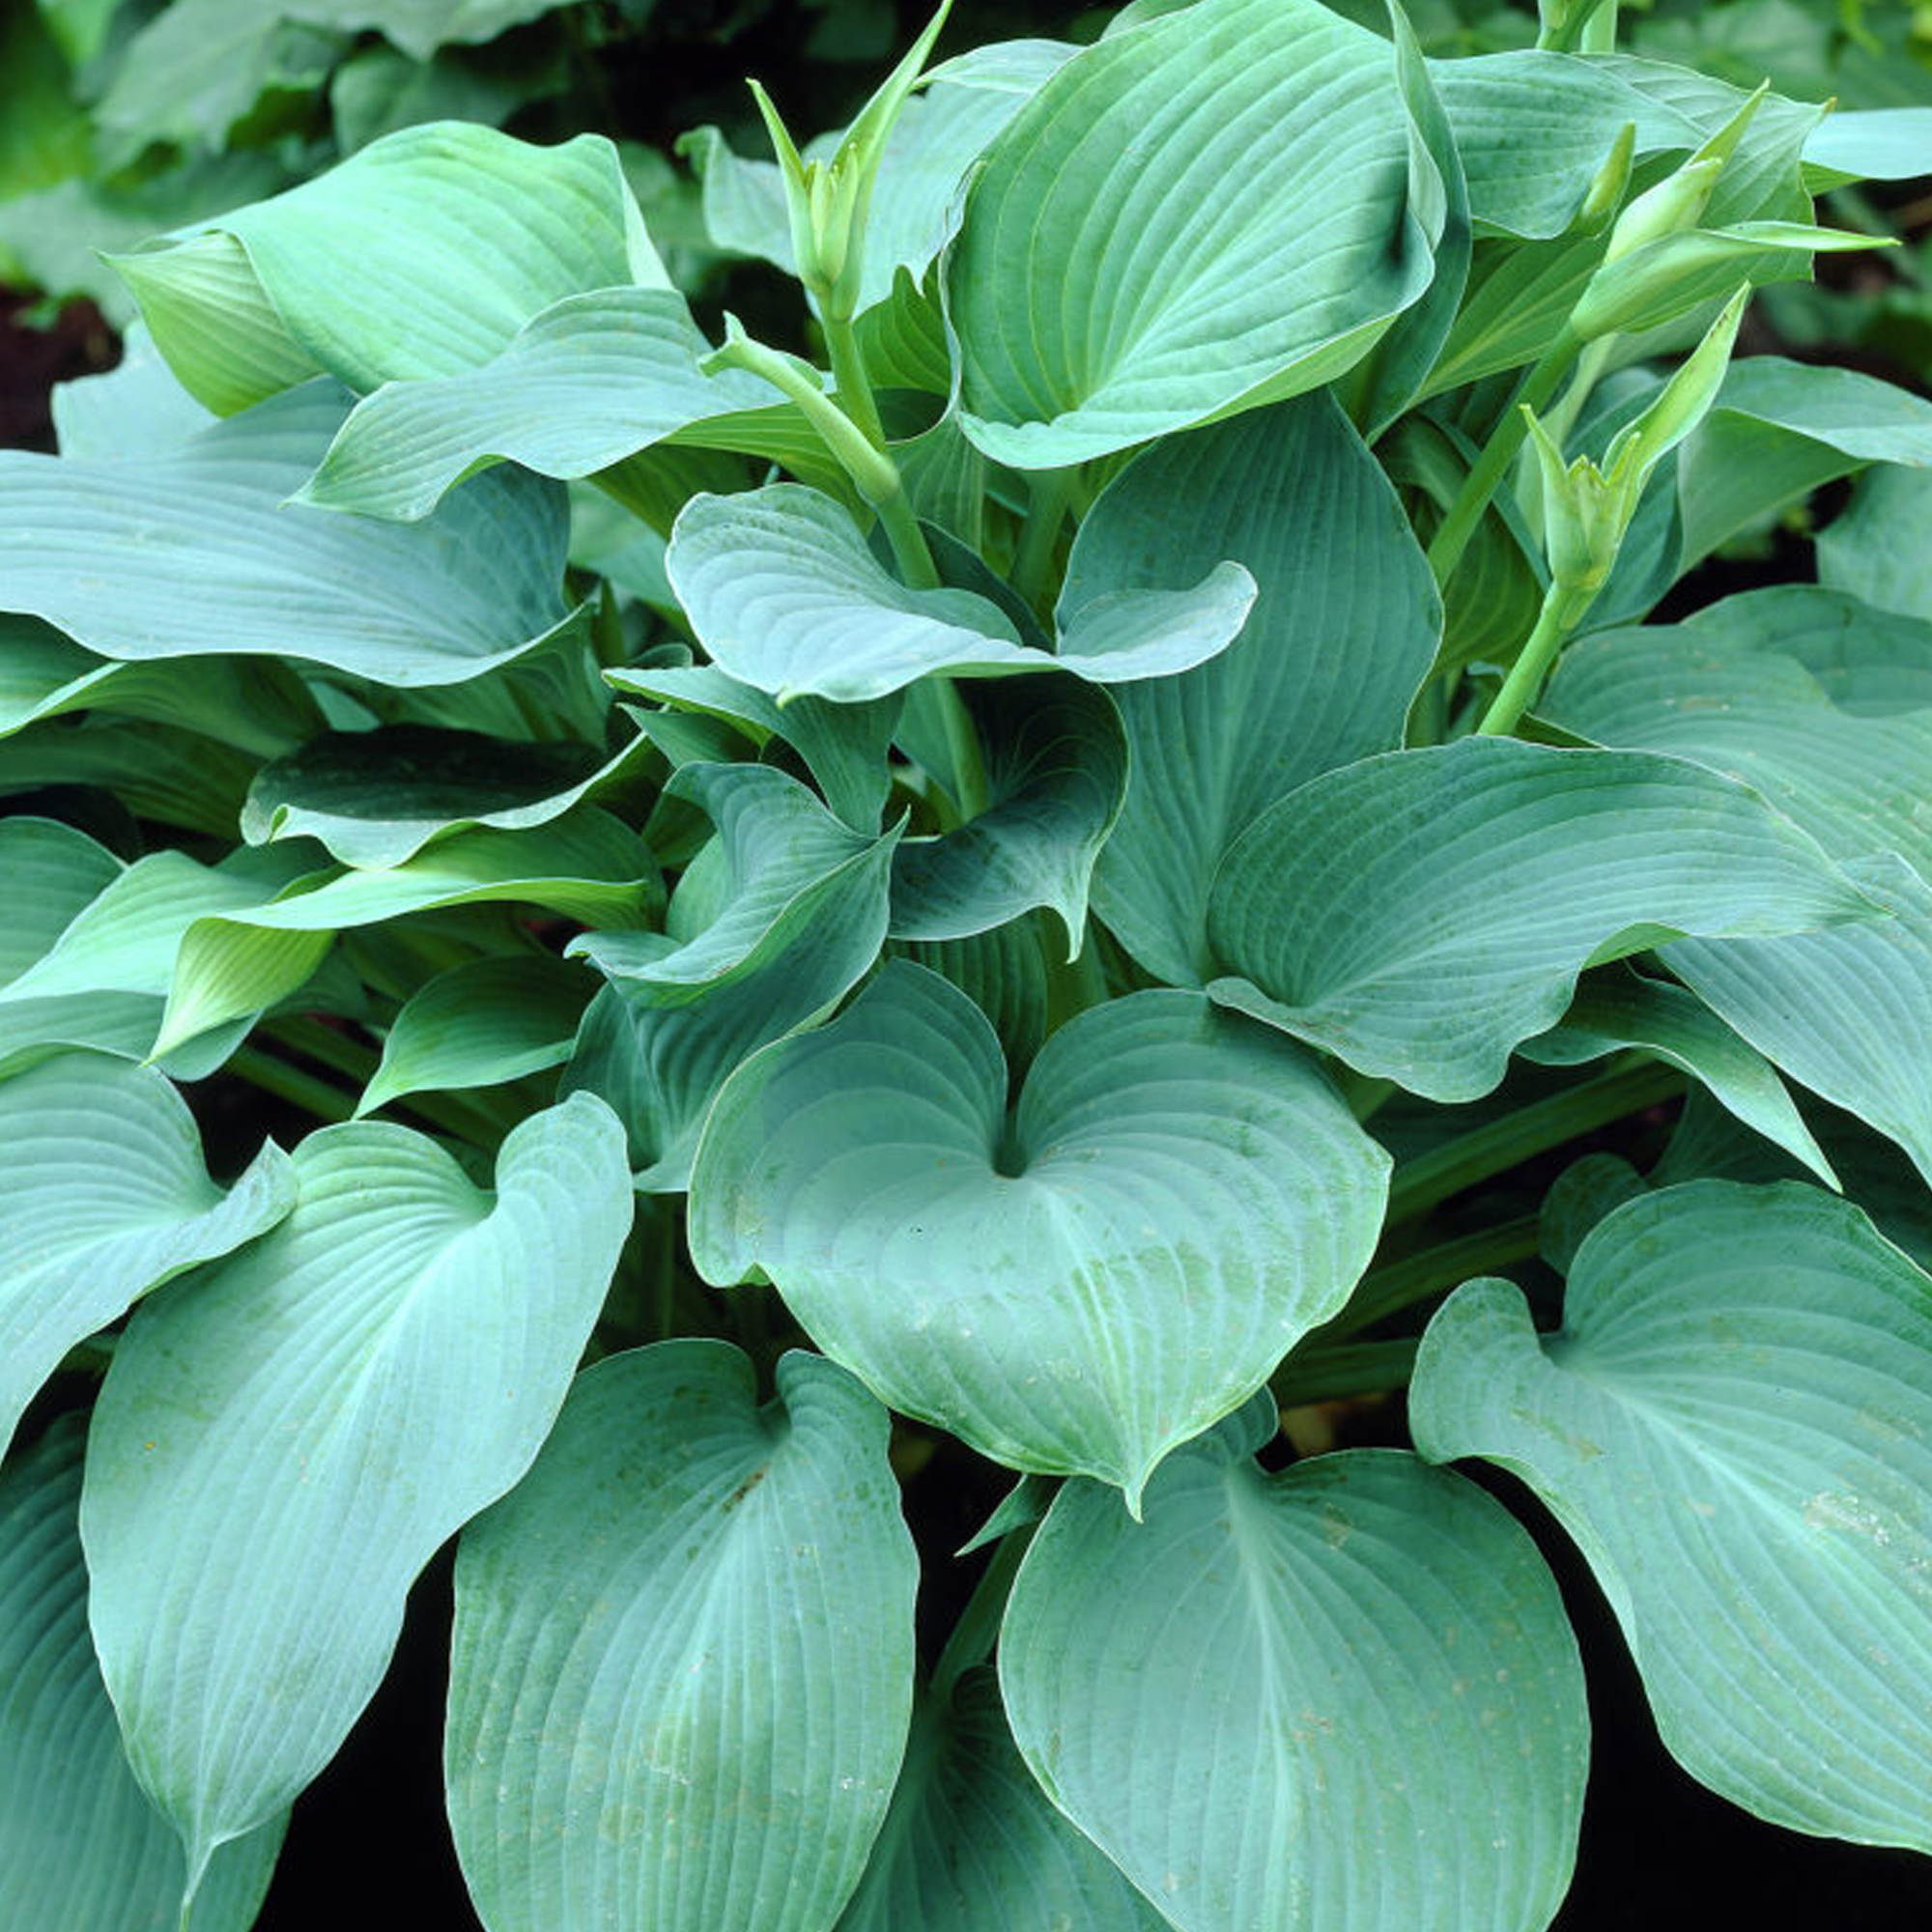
(105, 1195)
(1735, 1424)
(256, 1503)
(1207, 214)
(1418, 913)
(682, 1664)
(82, 1847)
(1178, 1198)
(1345, 1695)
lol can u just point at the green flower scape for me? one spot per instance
(1023, 892)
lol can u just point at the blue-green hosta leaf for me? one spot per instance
(480, 1023)
(105, 1195)
(1212, 212)
(192, 72)
(137, 406)
(83, 1849)
(588, 383)
(193, 551)
(1056, 772)
(1419, 913)
(1731, 691)
(778, 851)
(1533, 129)
(1877, 549)
(52, 872)
(1847, 1012)
(773, 922)
(1780, 429)
(1617, 1009)
(972, 1845)
(1339, 1696)
(374, 798)
(1176, 1197)
(101, 978)
(1345, 626)
(784, 593)
(420, 255)
(585, 865)
(1733, 1423)
(285, 1440)
(255, 704)
(843, 746)
(1004, 972)
(1873, 144)
(719, 1595)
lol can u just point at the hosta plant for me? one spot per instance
(933, 923)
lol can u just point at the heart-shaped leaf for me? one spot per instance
(784, 593)
(1209, 212)
(83, 1849)
(1056, 772)
(254, 1510)
(103, 1195)
(195, 551)
(1013, 1281)
(1733, 1423)
(721, 1594)
(1419, 913)
(1339, 1696)
(1345, 626)
(971, 1843)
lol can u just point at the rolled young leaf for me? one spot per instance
(1420, 912)
(1733, 1423)
(255, 1508)
(1345, 1695)
(721, 1596)
(1177, 1197)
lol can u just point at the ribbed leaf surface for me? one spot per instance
(1178, 1196)
(196, 550)
(419, 255)
(682, 1664)
(103, 1195)
(1735, 1424)
(1340, 1697)
(1847, 1010)
(972, 1845)
(284, 1440)
(83, 1849)
(1209, 212)
(1344, 628)
(784, 593)
(1420, 912)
